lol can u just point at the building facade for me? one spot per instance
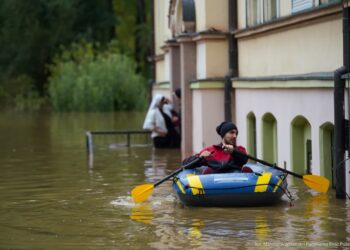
(279, 56)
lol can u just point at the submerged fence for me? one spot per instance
(127, 136)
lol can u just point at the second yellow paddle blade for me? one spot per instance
(318, 183)
(141, 192)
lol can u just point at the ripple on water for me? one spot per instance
(123, 201)
(154, 201)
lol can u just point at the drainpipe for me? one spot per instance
(227, 93)
(152, 56)
(233, 57)
(339, 170)
(339, 132)
(346, 37)
(153, 43)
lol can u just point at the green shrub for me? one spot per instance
(84, 78)
(19, 93)
(31, 101)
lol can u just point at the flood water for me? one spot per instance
(51, 197)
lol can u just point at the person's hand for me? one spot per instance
(175, 119)
(166, 100)
(228, 148)
(205, 154)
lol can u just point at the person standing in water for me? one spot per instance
(159, 121)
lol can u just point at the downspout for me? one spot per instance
(152, 56)
(233, 58)
(228, 99)
(339, 132)
(339, 170)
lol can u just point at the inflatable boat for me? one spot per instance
(257, 185)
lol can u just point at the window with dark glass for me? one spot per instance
(328, 1)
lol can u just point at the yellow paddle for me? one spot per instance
(141, 192)
(315, 182)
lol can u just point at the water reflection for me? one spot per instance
(213, 228)
(317, 210)
(302, 223)
(142, 213)
(51, 200)
(262, 228)
(155, 167)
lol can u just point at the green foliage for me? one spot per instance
(32, 31)
(20, 94)
(30, 101)
(84, 78)
(133, 31)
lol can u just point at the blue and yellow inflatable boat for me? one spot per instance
(264, 186)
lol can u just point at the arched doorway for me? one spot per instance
(301, 145)
(269, 138)
(251, 134)
(326, 151)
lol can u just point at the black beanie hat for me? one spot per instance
(224, 127)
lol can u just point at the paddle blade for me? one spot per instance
(141, 192)
(315, 182)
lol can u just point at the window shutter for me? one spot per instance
(299, 5)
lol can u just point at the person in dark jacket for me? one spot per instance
(222, 157)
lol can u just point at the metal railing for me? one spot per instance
(127, 133)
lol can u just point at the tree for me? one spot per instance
(31, 32)
(133, 31)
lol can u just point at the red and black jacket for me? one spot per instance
(219, 160)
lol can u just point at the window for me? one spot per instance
(251, 134)
(300, 5)
(328, 1)
(252, 13)
(261, 11)
(269, 137)
(270, 10)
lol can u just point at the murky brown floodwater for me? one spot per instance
(52, 199)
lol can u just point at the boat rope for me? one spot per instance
(287, 193)
(337, 168)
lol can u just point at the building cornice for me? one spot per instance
(184, 38)
(208, 83)
(311, 80)
(205, 35)
(169, 44)
(210, 35)
(157, 58)
(330, 11)
(237, 84)
(162, 85)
